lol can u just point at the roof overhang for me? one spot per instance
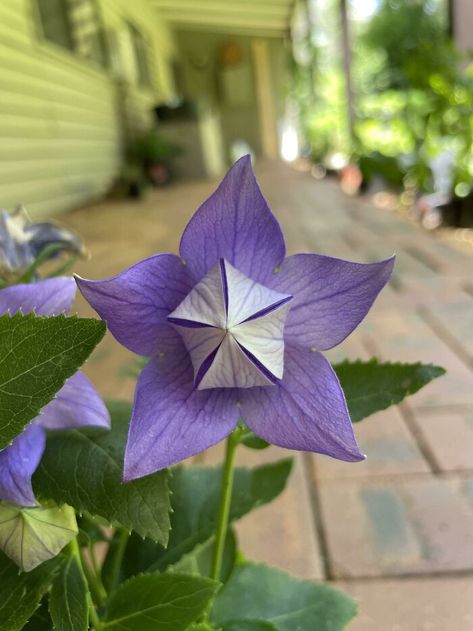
(264, 18)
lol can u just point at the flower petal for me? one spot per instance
(15, 251)
(171, 420)
(306, 411)
(205, 304)
(235, 223)
(201, 344)
(263, 338)
(232, 367)
(46, 297)
(247, 299)
(136, 302)
(331, 296)
(77, 404)
(18, 462)
(42, 234)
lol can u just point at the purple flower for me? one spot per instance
(22, 241)
(77, 404)
(234, 331)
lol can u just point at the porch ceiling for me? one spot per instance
(252, 17)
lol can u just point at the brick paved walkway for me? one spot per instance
(397, 530)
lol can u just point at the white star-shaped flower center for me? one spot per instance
(233, 329)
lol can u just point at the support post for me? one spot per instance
(346, 57)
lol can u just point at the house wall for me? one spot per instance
(62, 119)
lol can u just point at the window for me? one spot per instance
(140, 53)
(55, 22)
(74, 25)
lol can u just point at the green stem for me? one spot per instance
(117, 558)
(225, 502)
(94, 619)
(44, 255)
(95, 584)
(93, 559)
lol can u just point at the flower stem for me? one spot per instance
(94, 581)
(94, 619)
(233, 441)
(116, 564)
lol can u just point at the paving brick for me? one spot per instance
(411, 526)
(389, 445)
(449, 437)
(453, 321)
(432, 292)
(412, 604)
(364, 239)
(453, 260)
(352, 348)
(404, 336)
(281, 533)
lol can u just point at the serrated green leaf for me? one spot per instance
(68, 599)
(158, 602)
(261, 593)
(30, 536)
(22, 592)
(37, 355)
(373, 386)
(96, 461)
(201, 626)
(195, 496)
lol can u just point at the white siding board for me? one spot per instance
(60, 120)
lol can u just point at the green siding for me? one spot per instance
(62, 120)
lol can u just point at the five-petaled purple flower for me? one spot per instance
(77, 404)
(234, 331)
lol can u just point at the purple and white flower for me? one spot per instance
(21, 242)
(77, 404)
(235, 332)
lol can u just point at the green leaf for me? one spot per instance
(37, 355)
(40, 620)
(254, 442)
(372, 386)
(158, 602)
(22, 592)
(30, 536)
(68, 599)
(196, 497)
(248, 625)
(260, 593)
(195, 494)
(95, 460)
(199, 561)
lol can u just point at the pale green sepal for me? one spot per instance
(30, 536)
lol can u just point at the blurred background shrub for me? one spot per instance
(412, 104)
